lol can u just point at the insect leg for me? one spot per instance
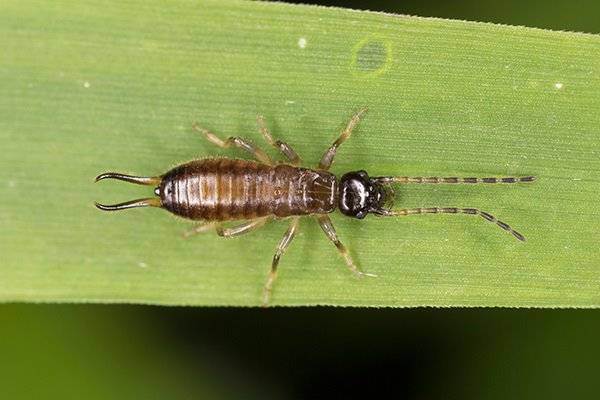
(453, 210)
(285, 148)
(239, 142)
(329, 230)
(238, 230)
(226, 232)
(281, 248)
(327, 158)
(200, 228)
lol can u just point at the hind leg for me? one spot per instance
(238, 142)
(241, 229)
(237, 230)
(200, 228)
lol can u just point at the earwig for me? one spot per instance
(216, 190)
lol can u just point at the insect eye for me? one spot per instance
(157, 191)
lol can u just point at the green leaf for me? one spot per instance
(89, 88)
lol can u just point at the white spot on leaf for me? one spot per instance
(302, 42)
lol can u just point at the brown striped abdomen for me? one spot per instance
(220, 189)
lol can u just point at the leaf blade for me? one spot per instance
(92, 88)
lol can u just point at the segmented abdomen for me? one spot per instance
(220, 189)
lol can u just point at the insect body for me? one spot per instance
(216, 190)
(221, 189)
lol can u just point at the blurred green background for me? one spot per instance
(118, 352)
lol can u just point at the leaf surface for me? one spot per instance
(89, 88)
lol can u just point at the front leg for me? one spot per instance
(327, 226)
(327, 158)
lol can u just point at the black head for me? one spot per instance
(360, 195)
